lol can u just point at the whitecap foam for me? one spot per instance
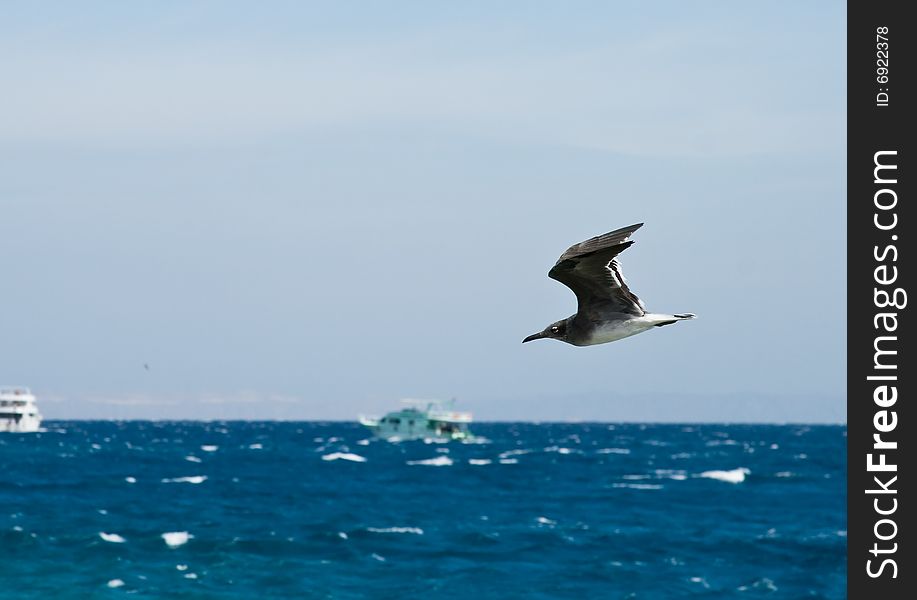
(362, 442)
(210, 448)
(378, 557)
(193, 459)
(726, 442)
(195, 479)
(130, 479)
(656, 443)
(255, 447)
(344, 456)
(439, 461)
(115, 583)
(439, 440)
(545, 521)
(638, 486)
(181, 567)
(733, 476)
(612, 451)
(763, 583)
(510, 453)
(174, 539)
(509, 461)
(411, 530)
(114, 538)
(479, 461)
(190, 575)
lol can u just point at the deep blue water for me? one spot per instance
(573, 511)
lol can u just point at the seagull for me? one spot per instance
(607, 310)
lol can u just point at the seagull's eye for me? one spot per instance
(555, 329)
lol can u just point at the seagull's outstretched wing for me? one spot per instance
(592, 272)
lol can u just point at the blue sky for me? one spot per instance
(309, 210)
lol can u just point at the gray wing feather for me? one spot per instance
(592, 272)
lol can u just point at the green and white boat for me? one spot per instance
(421, 419)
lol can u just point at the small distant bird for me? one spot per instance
(607, 310)
(146, 366)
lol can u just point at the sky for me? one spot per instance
(310, 210)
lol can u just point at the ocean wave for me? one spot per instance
(255, 446)
(174, 539)
(612, 451)
(638, 486)
(411, 530)
(509, 461)
(209, 448)
(193, 459)
(114, 538)
(344, 456)
(477, 439)
(439, 461)
(726, 442)
(130, 479)
(195, 479)
(545, 521)
(479, 461)
(761, 584)
(562, 450)
(733, 476)
(115, 583)
(518, 452)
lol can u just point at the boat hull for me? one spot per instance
(26, 424)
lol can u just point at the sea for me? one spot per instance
(249, 510)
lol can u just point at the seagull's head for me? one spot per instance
(557, 331)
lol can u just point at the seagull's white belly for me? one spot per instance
(618, 330)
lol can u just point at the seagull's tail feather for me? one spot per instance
(663, 320)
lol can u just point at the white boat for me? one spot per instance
(18, 412)
(421, 419)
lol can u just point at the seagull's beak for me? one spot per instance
(535, 336)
